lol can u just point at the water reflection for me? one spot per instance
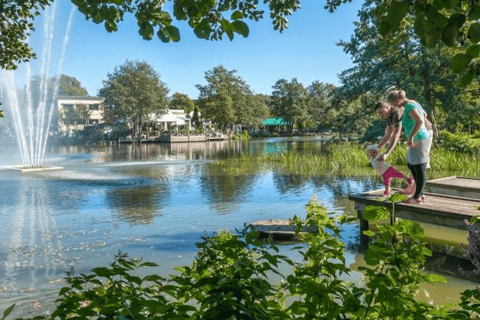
(135, 205)
(153, 201)
(31, 245)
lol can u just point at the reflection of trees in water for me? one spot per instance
(137, 205)
(221, 187)
(289, 183)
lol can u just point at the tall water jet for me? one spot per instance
(31, 118)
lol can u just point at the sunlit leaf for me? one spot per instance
(375, 213)
(237, 15)
(398, 197)
(435, 278)
(227, 27)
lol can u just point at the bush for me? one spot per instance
(460, 142)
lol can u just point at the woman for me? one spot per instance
(419, 140)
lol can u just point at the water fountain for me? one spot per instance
(31, 118)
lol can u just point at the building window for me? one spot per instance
(94, 107)
(93, 121)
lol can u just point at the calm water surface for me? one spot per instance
(153, 201)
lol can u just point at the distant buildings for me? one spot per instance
(76, 112)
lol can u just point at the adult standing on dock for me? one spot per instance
(393, 116)
(419, 139)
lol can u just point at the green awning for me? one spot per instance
(274, 122)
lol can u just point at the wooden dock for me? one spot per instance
(439, 209)
(456, 186)
(278, 229)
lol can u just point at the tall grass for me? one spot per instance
(350, 159)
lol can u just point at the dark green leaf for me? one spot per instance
(466, 79)
(460, 61)
(396, 12)
(8, 311)
(161, 34)
(173, 32)
(103, 272)
(449, 35)
(385, 28)
(227, 27)
(473, 50)
(240, 27)
(474, 32)
(202, 30)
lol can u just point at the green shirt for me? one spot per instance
(408, 123)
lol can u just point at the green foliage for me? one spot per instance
(450, 23)
(209, 20)
(460, 143)
(231, 278)
(183, 102)
(1, 114)
(244, 136)
(290, 101)
(228, 100)
(17, 24)
(133, 91)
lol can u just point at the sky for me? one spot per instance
(307, 50)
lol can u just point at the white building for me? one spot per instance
(171, 117)
(94, 105)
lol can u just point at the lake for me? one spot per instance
(154, 201)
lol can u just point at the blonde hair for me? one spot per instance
(396, 94)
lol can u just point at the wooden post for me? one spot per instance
(363, 227)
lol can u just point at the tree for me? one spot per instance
(181, 101)
(289, 101)
(76, 115)
(133, 91)
(453, 23)
(70, 86)
(210, 20)
(398, 61)
(228, 100)
(320, 103)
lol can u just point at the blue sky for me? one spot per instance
(306, 50)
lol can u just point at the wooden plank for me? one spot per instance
(438, 209)
(456, 186)
(278, 229)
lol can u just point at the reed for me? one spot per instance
(350, 159)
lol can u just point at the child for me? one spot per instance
(388, 172)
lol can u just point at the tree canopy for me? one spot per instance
(209, 19)
(227, 99)
(132, 91)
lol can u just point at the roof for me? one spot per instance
(80, 98)
(274, 122)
